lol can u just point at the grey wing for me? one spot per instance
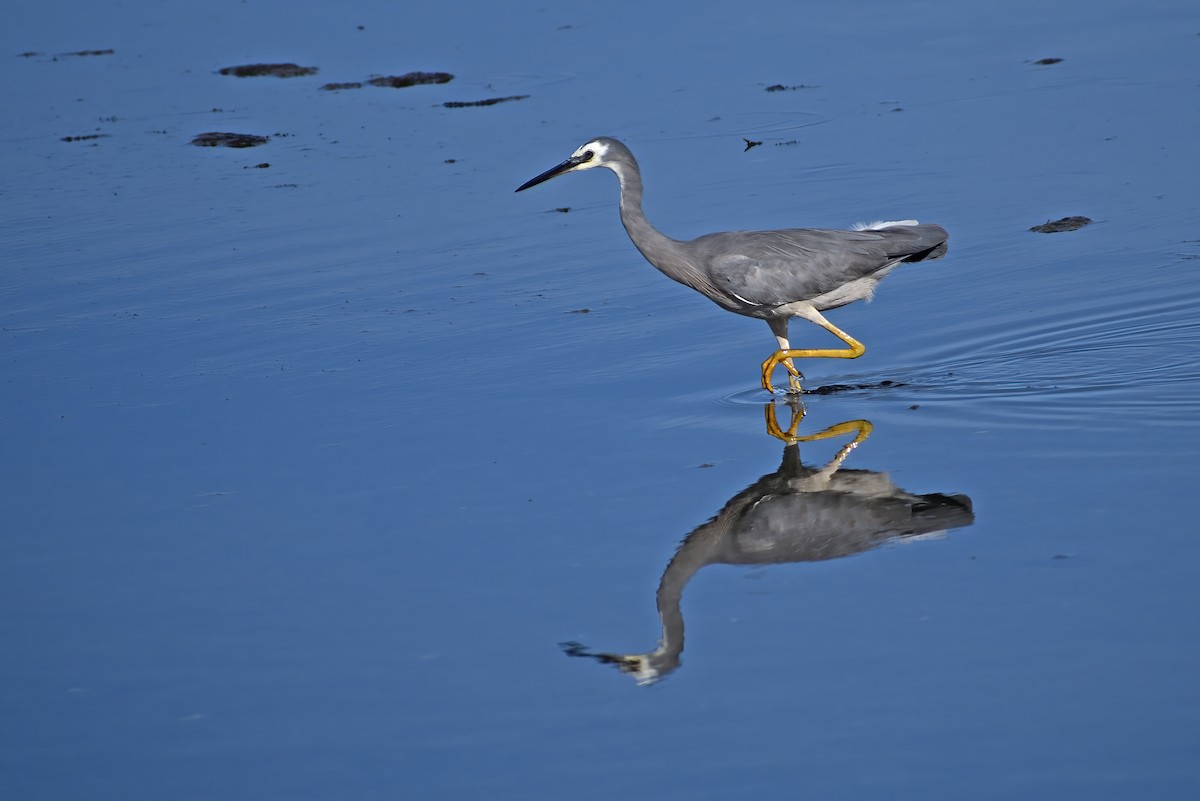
(770, 268)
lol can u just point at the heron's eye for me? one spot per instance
(587, 155)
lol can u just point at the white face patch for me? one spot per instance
(599, 151)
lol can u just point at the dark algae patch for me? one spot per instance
(1058, 226)
(336, 87)
(274, 70)
(83, 138)
(833, 389)
(34, 53)
(1045, 62)
(221, 139)
(491, 101)
(411, 79)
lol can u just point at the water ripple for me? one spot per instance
(1097, 360)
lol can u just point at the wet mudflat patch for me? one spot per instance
(489, 101)
(394, 81)
(285, 70)
(71, 54)
(779, 87)
(411, 79)
(1072, 223)
(227, 139)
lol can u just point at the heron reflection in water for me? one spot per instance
(795, 514)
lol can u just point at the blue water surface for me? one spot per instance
(316, 453)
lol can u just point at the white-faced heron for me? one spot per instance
(771, 275)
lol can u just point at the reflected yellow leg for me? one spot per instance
(785, 357)
(863, 429)
(860, 428)
(773, 428)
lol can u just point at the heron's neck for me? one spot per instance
(672, 258)
(660, 250)
(639, 228)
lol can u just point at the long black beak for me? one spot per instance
(566, 166)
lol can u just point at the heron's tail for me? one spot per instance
(909, 240)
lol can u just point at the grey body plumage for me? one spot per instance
(771, 275)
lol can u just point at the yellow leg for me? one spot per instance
(785, 357)
(794, 377)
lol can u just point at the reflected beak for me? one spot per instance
(566, 166)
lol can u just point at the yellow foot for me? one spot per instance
(794, 376)
(785, 357)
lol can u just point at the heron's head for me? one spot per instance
(602, 151)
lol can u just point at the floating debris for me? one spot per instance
(778, 87)
(491, 101)
(220, 139)
(411, 79)
(274, 70)
(83, 138)
(562, 209)
(107, 52)
(28, 54)
(750, 144)
(1065, 224)
(1047, 61)
(337, 87)
(261, 166)
(580, 311)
